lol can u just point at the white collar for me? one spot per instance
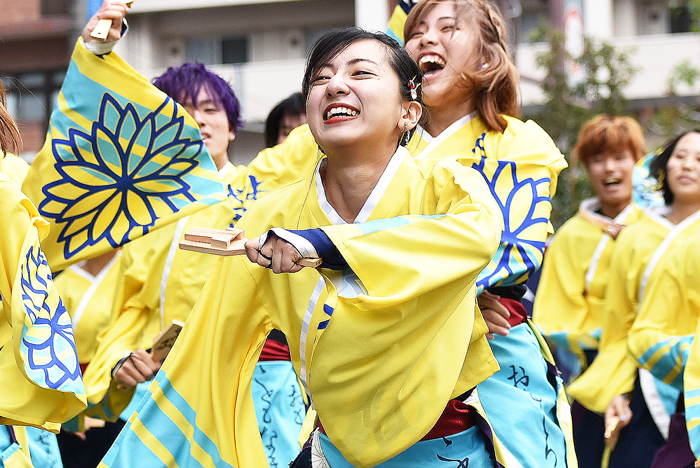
(592, 205)
(374, 196)
(224, 171)
(434, 142)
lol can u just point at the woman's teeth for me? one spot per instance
(430, 63)
(336, 111)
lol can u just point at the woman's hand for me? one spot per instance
(277, 254)
(137, 368)
(617, 416)
(114, 10)
(495, 314)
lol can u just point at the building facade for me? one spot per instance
(260, 46)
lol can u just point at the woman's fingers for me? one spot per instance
(277, 254)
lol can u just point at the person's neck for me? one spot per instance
(611, 210)
(350, 175)
(439, 118)
(220, 160)
(681, 210)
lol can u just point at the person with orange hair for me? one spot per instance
(569, 303)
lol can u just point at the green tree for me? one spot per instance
(568, 106)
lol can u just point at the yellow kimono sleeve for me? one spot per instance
(560, 307)
(14, 168)
(40, 381)
(199, 410)
(424, 314)
(613, 365)
(120, 159)
(661, 337)
(691, 388)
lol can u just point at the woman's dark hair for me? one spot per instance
(293, 105)
(657, 168)
(337, 40)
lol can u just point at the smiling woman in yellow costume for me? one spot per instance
(380, 354)
(39, 374)
(637, 252)
(661, 337)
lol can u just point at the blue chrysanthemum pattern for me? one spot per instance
(518, 255)
(116, 180)
(47, 345)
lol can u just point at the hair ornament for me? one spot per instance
(413, 87)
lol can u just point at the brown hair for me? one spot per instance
(605, 133)
(10, 139)
(495, 86)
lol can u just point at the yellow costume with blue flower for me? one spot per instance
(121, 159)
(520, 167)
(380, 354)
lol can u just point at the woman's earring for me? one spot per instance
(403, 141)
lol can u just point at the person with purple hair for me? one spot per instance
(159, 283)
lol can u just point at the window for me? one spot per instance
(31, 97)
(217, 50)
(234, 50)
(681, 19)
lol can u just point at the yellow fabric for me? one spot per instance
(14, 168)
(661, 336)
(120, 159)
(72, 284)
(24, 400)
(396, 23)
(137, 305)
(382, 371)
(538, 163)
(614, 365)
(566, 309)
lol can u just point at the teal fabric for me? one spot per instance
(42, 447)
(520, 401)
(279, 409)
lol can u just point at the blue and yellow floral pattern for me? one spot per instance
(123, 175)
(47, 345)
(121, 159)
(519, 254)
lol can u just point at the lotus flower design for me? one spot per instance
(116, 180)
(522, 245)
